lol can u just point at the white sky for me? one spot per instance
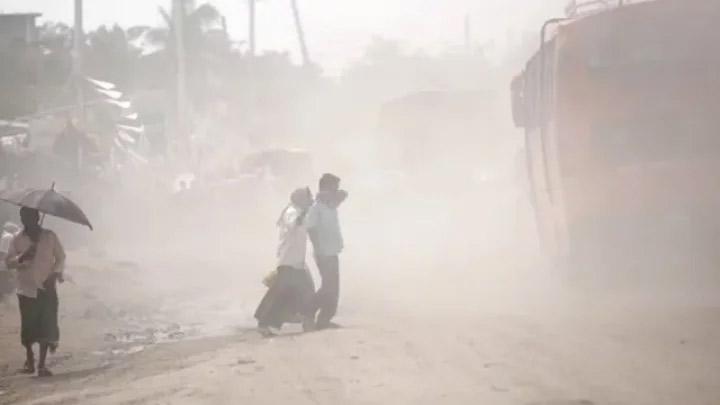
(337, 30)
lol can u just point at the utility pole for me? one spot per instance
(78, 74)
(178, 14)
(468, 33)
(300, 33)
(223, 22)
(78, 39)
(251, 26)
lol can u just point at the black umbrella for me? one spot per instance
(48, 202)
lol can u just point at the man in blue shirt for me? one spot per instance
(323, 227)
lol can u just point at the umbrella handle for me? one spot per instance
(42, 218)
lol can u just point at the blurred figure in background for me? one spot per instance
(7, 283)
(39, 258)
(291, 287)
(323, 227)
(68, 143)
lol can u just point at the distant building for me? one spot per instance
(19, 64)
(16, 29)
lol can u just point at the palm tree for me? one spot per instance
(205, 43)
(197, 23)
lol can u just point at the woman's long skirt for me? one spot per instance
(290, 295)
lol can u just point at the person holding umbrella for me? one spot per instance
(39, 258)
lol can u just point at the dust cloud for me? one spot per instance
(442, 235)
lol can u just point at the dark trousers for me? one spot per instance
(326, 298)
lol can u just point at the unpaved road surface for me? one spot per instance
(431, 315)
(476, 340)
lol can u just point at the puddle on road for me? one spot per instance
(131, 350)
(129, 341)
(195, 320)
(167, 333)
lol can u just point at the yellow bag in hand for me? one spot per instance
(269, 280)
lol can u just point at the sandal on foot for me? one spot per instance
(266, 332)
(44, 372)
(328, 325)
(28, 368)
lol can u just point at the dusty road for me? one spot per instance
(428, 319)
(478, 340)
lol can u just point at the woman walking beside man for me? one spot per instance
(291, 287)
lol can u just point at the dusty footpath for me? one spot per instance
(136, 334)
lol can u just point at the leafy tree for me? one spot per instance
(110, 56)
(55, 41)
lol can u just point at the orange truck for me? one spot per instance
(621, 111)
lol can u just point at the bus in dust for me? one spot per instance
(621, 122)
